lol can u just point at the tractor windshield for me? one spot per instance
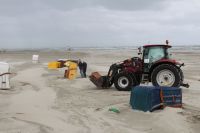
(154, 54)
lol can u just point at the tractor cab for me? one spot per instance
(153, 54)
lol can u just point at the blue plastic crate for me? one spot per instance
(145, 98)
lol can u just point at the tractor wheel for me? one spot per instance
(166, 75)
(123, 82)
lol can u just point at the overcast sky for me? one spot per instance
(61, 23)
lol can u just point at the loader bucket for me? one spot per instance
(97, 79)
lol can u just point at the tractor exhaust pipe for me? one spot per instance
(185, 85)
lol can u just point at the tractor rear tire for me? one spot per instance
(123, 82)
(166, 73)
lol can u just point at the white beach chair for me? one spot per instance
(4, 75)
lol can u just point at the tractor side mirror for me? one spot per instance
(139, 51)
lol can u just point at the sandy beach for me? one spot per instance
(43, 101)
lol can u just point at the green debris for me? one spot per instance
(114, 110)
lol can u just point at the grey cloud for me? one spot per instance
(57, 23)
(131, 4)
(108, 4)
(21, 7)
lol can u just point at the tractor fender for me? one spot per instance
(171, 61)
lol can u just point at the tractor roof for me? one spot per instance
(157, 45)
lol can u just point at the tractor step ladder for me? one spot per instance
(145, 78)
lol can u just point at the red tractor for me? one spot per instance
(155, 66)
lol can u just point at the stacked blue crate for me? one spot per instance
(171, 96)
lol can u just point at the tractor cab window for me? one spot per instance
(153, 54)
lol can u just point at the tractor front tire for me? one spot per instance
(123, 82)
(166, 75)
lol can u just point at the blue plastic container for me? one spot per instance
(145, 98)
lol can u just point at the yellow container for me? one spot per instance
(71, 74)
(54, 65)
(71, 65)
